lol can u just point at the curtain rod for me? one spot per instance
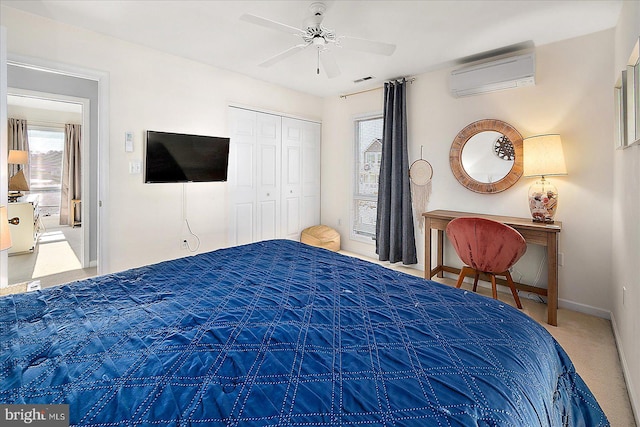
(42, 123)
(409, 80)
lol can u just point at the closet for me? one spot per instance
(274, 176)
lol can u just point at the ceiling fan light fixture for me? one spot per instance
(319, 41)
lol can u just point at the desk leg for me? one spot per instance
(440, 253)
(552, 281)
(427, 248)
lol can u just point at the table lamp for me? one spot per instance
(543, 156)
(18, 182)
(5, 234)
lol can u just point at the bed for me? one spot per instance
(281, 333)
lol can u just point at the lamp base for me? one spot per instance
(14, 196)
(543, 201)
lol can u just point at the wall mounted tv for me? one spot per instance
(176, 157)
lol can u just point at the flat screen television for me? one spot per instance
(176, 157)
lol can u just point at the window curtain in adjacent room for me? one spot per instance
(71, 173)
(18, 139)
(395, 239)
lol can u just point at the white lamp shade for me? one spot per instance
(18, 157)
(5, 234)
(543, 156)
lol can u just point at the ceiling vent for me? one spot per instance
(501, 74)
(363, 79)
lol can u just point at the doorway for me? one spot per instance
(28, 73)
(59, 250)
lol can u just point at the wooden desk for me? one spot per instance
(533, 232)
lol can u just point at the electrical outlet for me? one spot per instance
(184, 244)
(624, 291)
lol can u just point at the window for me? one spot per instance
(46, 146)
(368, 155)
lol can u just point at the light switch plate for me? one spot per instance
(135, 166)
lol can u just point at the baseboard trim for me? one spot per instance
(633, 397)
(584, 308)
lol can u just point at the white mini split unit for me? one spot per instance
(501, 74)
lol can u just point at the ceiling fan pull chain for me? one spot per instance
(318, 66)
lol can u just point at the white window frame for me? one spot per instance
(48, 127)
(364, 238)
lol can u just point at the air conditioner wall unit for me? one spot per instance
(505, 73)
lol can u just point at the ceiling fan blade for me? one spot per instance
(271, 24)
(282, 55)
(369, 46)
(329, 64)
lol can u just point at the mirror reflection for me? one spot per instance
(488, 156)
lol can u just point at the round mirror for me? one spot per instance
(486, 156)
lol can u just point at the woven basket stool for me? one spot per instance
(321, 236)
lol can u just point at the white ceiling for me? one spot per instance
(43, 104)
(428, 34)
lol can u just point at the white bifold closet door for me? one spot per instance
(274, 176)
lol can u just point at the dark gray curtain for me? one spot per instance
(395, 239)
(71, 174)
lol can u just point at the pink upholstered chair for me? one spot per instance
(486, 246)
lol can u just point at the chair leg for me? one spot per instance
(464, 272)
(494, 286)
(513, 289)
(475, 281)
(461, 277)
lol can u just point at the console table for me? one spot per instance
(536, 233)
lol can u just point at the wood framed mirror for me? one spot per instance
(486, 156)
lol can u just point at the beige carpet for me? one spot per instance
(18, 288)
(588, 341)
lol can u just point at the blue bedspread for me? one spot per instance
(280, 333)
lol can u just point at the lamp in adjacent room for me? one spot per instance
(5, 234)
(18, 182)
(542, 157)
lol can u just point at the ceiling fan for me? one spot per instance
(315, 34)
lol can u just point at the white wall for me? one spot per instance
(626, 224)
(572, 97)
(152, 90)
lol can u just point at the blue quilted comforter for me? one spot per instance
(280, 333)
